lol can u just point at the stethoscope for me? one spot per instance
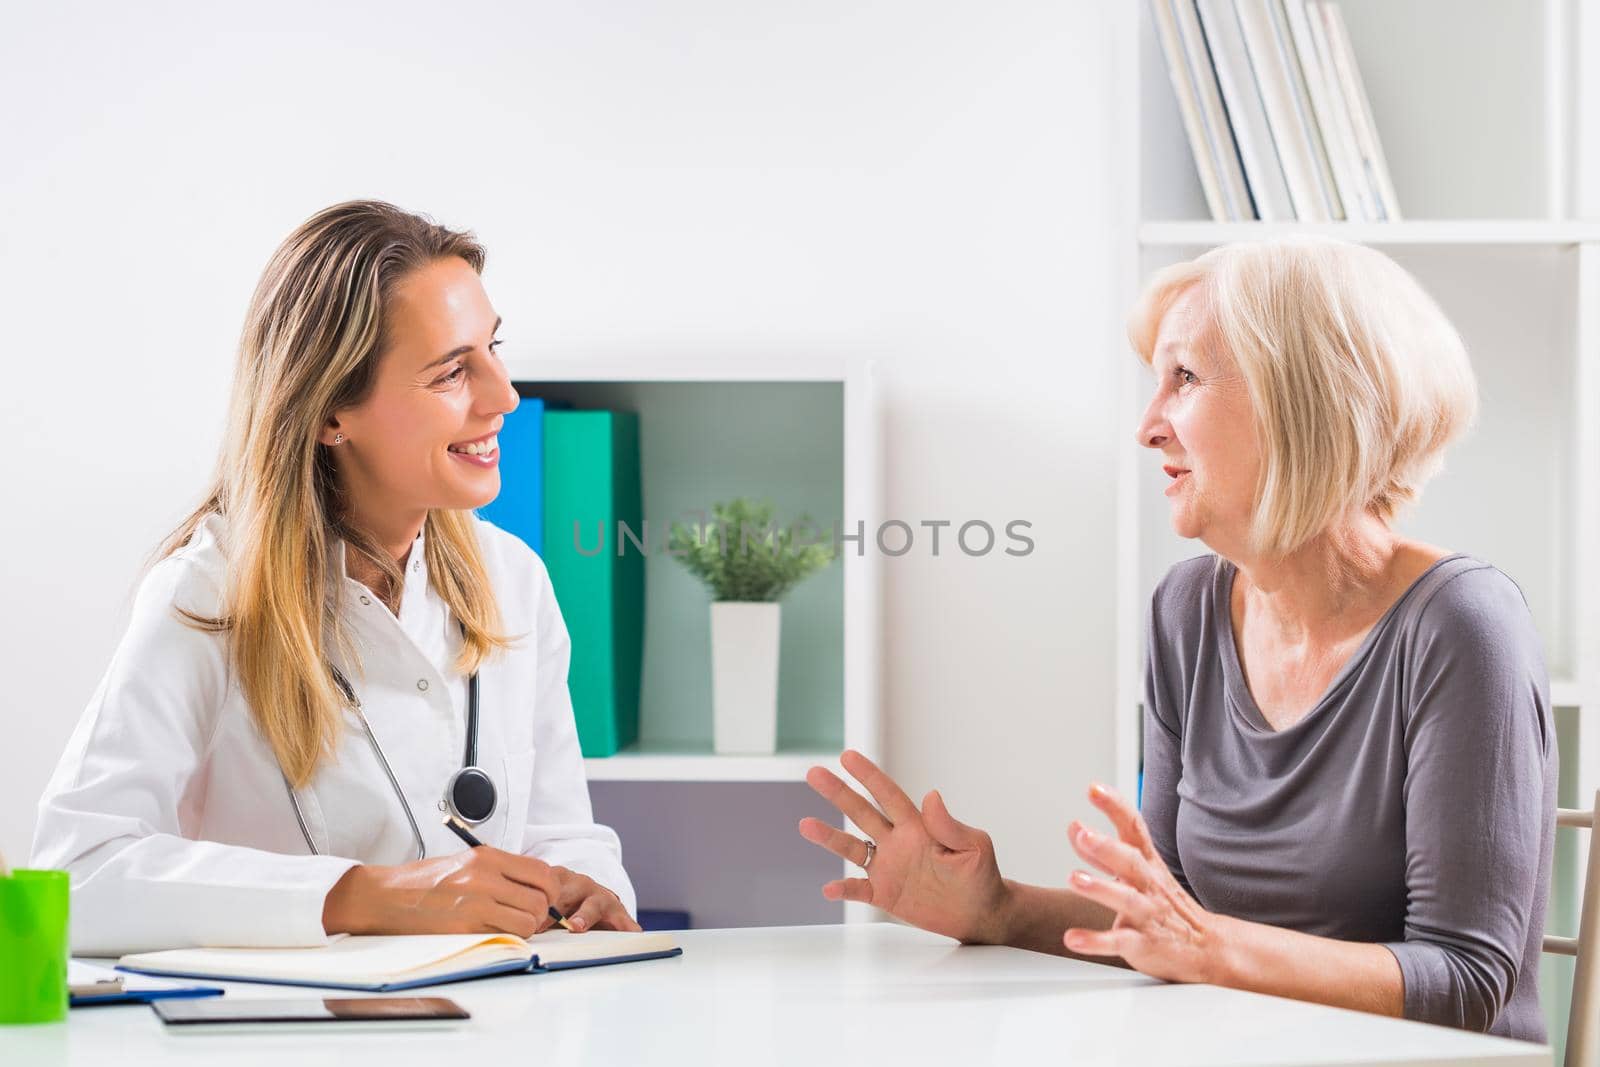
(469, 796)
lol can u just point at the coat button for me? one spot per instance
(422, 684)
(366, 600)
(417, 566)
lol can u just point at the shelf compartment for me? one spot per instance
(1458, 145)
(705, 441)
(729, 853)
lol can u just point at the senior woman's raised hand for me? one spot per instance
(1159, 929)
(928, 870)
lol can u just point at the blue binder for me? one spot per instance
(519, 509)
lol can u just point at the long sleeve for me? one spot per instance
(1163, 738)
(561, 829)
(112, 814)
(1479, 799)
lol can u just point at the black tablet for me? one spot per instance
(357, 1013)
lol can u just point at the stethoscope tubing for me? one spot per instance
(469, 763)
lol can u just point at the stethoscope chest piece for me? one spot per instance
(471, 795)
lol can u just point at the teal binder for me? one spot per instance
(591, 488)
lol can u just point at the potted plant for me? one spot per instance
(748, 564)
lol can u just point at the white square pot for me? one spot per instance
(744, 677)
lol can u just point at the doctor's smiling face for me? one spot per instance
(424, 435)
(1201, 421)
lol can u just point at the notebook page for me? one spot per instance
(352, 960)
(559, 946)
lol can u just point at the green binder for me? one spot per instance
(591, 485)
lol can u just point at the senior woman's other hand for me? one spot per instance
(1160, 929)
(928, 870)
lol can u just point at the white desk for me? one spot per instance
(872, 994)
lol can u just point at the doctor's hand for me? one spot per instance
(478, 890)
(929, 870)
(1159, 929)
(588, 905)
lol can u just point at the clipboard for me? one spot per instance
(90, 985)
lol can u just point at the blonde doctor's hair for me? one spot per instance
(1357, 380)
(314, 332)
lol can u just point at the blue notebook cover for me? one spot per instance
(519, 509)
(143, 996)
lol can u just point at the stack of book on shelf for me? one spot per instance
(1275, 110)
(569, 482)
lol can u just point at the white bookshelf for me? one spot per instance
(804, 434)
(1192, 234)
(689, 762)
(1491, 127)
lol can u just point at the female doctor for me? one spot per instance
(333, 653)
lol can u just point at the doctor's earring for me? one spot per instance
(338, 438)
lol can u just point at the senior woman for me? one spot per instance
(1349, 758)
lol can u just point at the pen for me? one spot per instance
(472, 842)
(462, 832)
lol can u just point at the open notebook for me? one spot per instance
(384, 964)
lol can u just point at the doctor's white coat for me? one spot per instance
(170, 812)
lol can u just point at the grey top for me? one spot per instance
(1412, 806)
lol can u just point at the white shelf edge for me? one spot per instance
(671, 766)
(1178, 234)
(525, 364)
(1566, 693)
(1128, 615)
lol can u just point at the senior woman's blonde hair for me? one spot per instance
(1356, 378)
(313, 335)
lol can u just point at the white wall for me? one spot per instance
(923, 182)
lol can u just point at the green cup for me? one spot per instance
(33, 947)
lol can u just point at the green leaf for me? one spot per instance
(741, 555)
